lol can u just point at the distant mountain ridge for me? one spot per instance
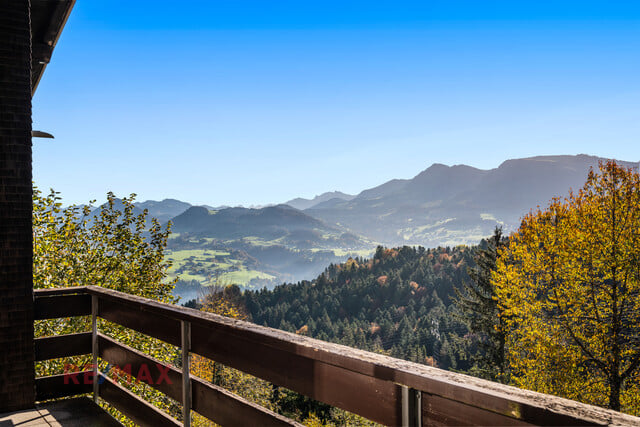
(300, 203)
(448, 205)
(440, 206)
(233, 223)
(164, 210)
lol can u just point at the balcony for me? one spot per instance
(383, 389)
(386, 390)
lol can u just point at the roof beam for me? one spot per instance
(44, 39)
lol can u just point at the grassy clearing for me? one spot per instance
(188, 277)
(199, 264)
(199, 254)
(258, 241)
(365, 253)
(243, 277)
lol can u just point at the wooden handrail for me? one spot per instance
(368, 384)
(67, 305)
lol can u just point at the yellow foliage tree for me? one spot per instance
(568, 286)
(115, 248)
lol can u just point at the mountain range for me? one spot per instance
(440, 206)
(300, 203)
(165, 210)
(448, 205)
(280, 224)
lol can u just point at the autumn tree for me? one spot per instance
(115, 247)
(568, 285)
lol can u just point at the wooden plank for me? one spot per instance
(53, 307)
(213, 401)
(375, 399)
(134, 316)
(138, 410)
(48, 292)
(76, 411)
(506, 401)
(63, 385)
(162, 377)
(523, 405)
(227, 409)
(544, 417)
(62, 346)
(437, 411)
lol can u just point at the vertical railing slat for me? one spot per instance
(94, 345)
(411, 407)
(186, 376)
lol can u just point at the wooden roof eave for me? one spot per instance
(48, 18)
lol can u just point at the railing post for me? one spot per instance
(411, 407)
(186, 376)
(94, 345)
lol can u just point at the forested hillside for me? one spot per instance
(399, 303)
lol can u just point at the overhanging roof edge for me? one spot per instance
(54, 14)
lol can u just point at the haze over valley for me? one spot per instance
(296, 240)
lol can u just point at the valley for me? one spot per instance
(296, 240)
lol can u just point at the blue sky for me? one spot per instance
(254, 102)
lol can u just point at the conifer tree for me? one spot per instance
(478, 309)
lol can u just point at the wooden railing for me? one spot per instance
(383, 389)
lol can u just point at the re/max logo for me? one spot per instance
(84, 374)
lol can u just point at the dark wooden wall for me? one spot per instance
(17, 384)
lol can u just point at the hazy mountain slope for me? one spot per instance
(442, 205)
(457, 204)
(164, 210)
(257, 247)
(118, 205)
(300, 203)
(521, 184)
(233, 223)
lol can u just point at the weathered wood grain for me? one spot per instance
(62, 346)
(164, 378)
(55, 386)
(227, 409)
(138, 410)
(356, 380)
(65, 305)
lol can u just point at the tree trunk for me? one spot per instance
(614, 392)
